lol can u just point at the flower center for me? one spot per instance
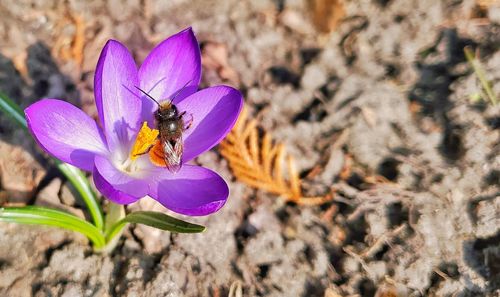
(147, 142)
(146, 138)
(143, 143)
(128, 166)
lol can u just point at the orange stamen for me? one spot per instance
(146, 138)
(157, 155)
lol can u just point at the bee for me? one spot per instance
(170, 123)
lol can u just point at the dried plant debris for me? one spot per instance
(487, 3)
(69, 45)
(373, 73)
(327, 14)
(259, 164)
(487, 93)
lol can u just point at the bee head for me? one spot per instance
(167, 113)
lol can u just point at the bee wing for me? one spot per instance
(173, 154)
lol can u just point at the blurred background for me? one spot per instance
(374, 99)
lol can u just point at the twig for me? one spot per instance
(476, 65)
(441, 274)
(235, 290)
(360, 260)
(385, 238)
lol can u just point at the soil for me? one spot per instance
(375, 103)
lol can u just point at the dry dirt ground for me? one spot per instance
(376, 107)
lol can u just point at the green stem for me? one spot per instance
(115, 214)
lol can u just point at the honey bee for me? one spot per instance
(170, 123)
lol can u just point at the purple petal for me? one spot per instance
(193, 191)
(108, 191)
(66, 132)
(214, 112)
(169, 67)
(117, 185)
(118, 105)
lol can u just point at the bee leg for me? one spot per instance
(187, 122)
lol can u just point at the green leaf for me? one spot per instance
(79, 181)
(74, 175)
(157, 220)
(38, 215)
(11, 109)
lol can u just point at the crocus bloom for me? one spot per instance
(173, 68)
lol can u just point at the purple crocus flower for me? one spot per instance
(173, 68)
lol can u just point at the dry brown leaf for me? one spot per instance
(70, 47)
(259, 164)
(487, 3)
(327, 14)
(19, 61)
(479, 12)
(387, 291)
(79, 40)
(331, 293)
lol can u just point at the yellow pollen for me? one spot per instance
(146, 138)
